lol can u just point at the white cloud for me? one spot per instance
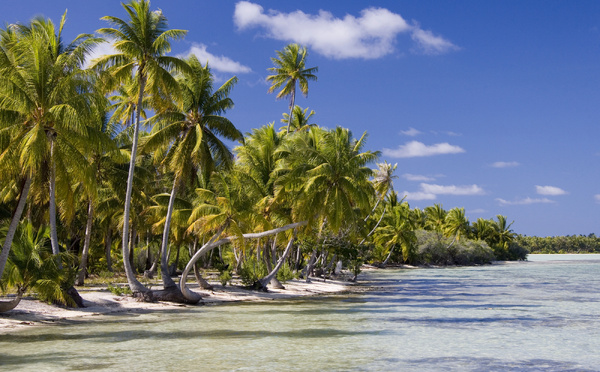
(430, 191)
(525, 201)
(430, 43)
(597, 198)
(549, 190)
(417, 177)
(418, 149)
(411, 132)
(418, 195)
(100, 50)
(371, 35)
(219, 63)
(505, 164)
(452, 189)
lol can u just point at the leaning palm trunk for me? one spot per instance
(86, 245)
(9, 305)
(213, 243)
(273, 274)
(164, 262)
(12, 228)
(377, 225)
(388, 256)
(135, 286)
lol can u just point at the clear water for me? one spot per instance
(536, 316)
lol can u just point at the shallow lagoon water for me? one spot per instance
(541, 315)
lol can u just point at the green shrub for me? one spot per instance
(119, 291)
(285, 273)
(252, 271)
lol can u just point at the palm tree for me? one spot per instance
(141, 42)
(435, 217)
(300, 119)
(328, 173)
(456, 224)
(290, 69)
(398, 230)
(190, 132)
(325, 175)
(46, 102)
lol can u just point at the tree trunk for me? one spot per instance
(135, 286)
(9, 305)
(52, 212)
(213, 244)
(108, 248)
(132, 246)
(86, 245)
(378, 222)
(273, 274)
(164, 261)
(310, 265)
(388, 256)
(14, 223)
(292, 104)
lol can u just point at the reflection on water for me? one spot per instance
(533, 316)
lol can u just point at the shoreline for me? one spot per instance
(100, 301)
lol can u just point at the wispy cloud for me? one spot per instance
(411, 132)
(430, 43)
(431, 191)
(218, 63)
(370, 35)
(549, 190)
(597, 198)
(418, 149)
(525, 201)
(505, 164)
(417, 177)
(452, 189)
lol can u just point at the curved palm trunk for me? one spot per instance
(164, 259)
(134, 284)
(9, 305)
(273, 274)
(377, 225)
(388, 256)
(12, 228)
(213, 243)
(86, 245)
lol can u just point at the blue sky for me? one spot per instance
(493, 106)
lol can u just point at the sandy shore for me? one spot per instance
(31, 313)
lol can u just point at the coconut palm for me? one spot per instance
(300, 119)
(328, 174)
(435, 217)
(456, 224)
(397, 230)
(46, 102)
(32, 265)
(190, 133)
(290, 70)
(142, 42)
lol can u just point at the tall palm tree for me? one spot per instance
(142, 42)
(46, 102)
(290, 70)
(190, 133)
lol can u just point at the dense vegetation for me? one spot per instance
(560, 244)
(105, 195)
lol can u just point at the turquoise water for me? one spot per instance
(535, 316)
